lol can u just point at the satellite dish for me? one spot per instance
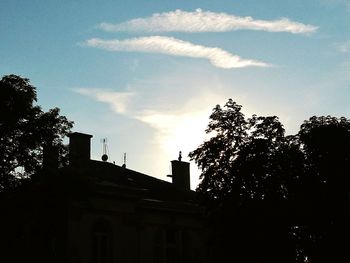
(104, 157)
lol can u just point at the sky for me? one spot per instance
(147, 74)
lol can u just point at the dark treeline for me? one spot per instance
(271, 197)
(25, 130)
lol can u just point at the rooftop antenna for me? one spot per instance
(124, 163)
(104, 145)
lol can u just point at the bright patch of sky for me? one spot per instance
(146, 74)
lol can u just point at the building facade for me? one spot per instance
(98, 212)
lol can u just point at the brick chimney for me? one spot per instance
(79, 148)
(181, 175)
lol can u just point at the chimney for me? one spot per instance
(79, 148)
(181, 174)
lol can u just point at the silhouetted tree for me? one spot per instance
(326, 144)
(24, 130)
(245, 185)
(271, 197)
(243, 157)
(324, 195)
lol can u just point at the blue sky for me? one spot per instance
(146, 74)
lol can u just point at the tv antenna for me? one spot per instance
(124, 161)
(104, 150)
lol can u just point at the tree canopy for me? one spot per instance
(241, 157)
(280, 198)
(24, 130)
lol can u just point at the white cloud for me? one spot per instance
(172, 46)
(344, 46)
(206, 21)
(181, 128)
(118, 101)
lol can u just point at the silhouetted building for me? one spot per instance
(98, 212)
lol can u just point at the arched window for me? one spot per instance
(102, 242)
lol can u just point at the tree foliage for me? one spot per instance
(24, 130)
(276, 198)
(326, 144)
(240, 158)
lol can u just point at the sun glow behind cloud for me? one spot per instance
(206, 21)
(179, 129)
(175, 47)
(174, 130)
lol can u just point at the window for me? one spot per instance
(102, 242)
(167, 246)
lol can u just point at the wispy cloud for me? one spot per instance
(180, 128)
(344, 47)
(177, 129)
(172, 46)
(118, 101)
(206, 21)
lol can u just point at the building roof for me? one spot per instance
(84, 178)
(113, 179)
